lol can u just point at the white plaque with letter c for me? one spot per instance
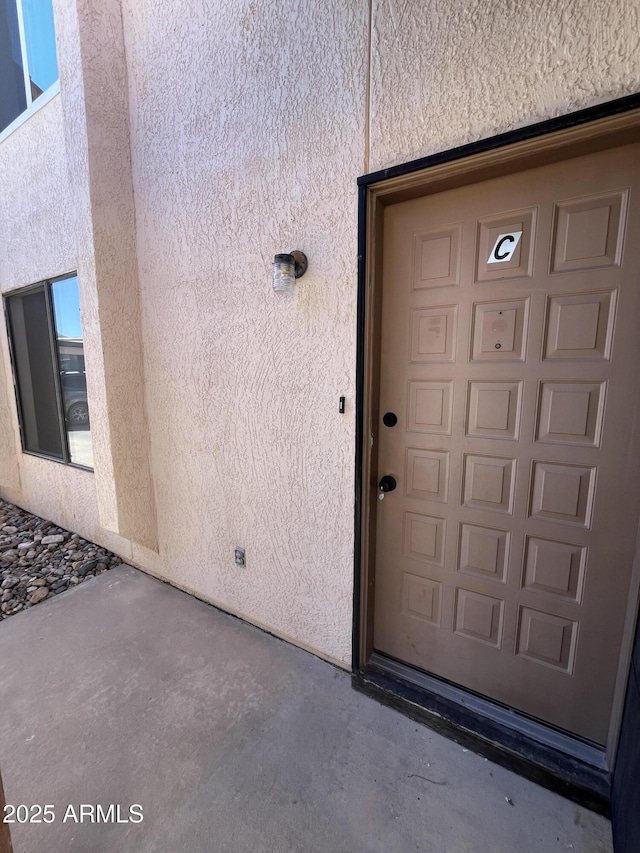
(504, 247)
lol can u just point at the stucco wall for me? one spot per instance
(39, 223)
(37, 241)
(36, 221)
(93, 81)
(249, 123)
(246, 137)
(448, 72)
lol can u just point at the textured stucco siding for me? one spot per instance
(36, 218)
(93, 73)
(248, 124)
(448, 72)
(248, 127)
(37, 241)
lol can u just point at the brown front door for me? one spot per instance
(510, 356)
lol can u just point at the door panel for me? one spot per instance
(509, 353)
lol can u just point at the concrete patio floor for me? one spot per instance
(126, 690)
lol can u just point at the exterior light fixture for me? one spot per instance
(286, 269)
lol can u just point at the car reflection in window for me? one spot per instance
(74, 399)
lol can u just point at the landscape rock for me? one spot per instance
(39, 560)
(39, 595)
(86, 567)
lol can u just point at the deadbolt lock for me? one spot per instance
(386, 484)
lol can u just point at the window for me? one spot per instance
(48, 361)
(28, 64)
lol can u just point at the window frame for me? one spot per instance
(44, 286)
(45, 97)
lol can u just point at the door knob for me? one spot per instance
(387, 484)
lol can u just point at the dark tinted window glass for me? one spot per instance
(36, 373)
(13, 99)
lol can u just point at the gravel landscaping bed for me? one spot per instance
(38, 560)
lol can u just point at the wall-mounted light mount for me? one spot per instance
(287, 268)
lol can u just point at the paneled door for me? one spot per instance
(509, 435)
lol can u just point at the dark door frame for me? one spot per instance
(597, 128)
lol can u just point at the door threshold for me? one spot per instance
(571, 767)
